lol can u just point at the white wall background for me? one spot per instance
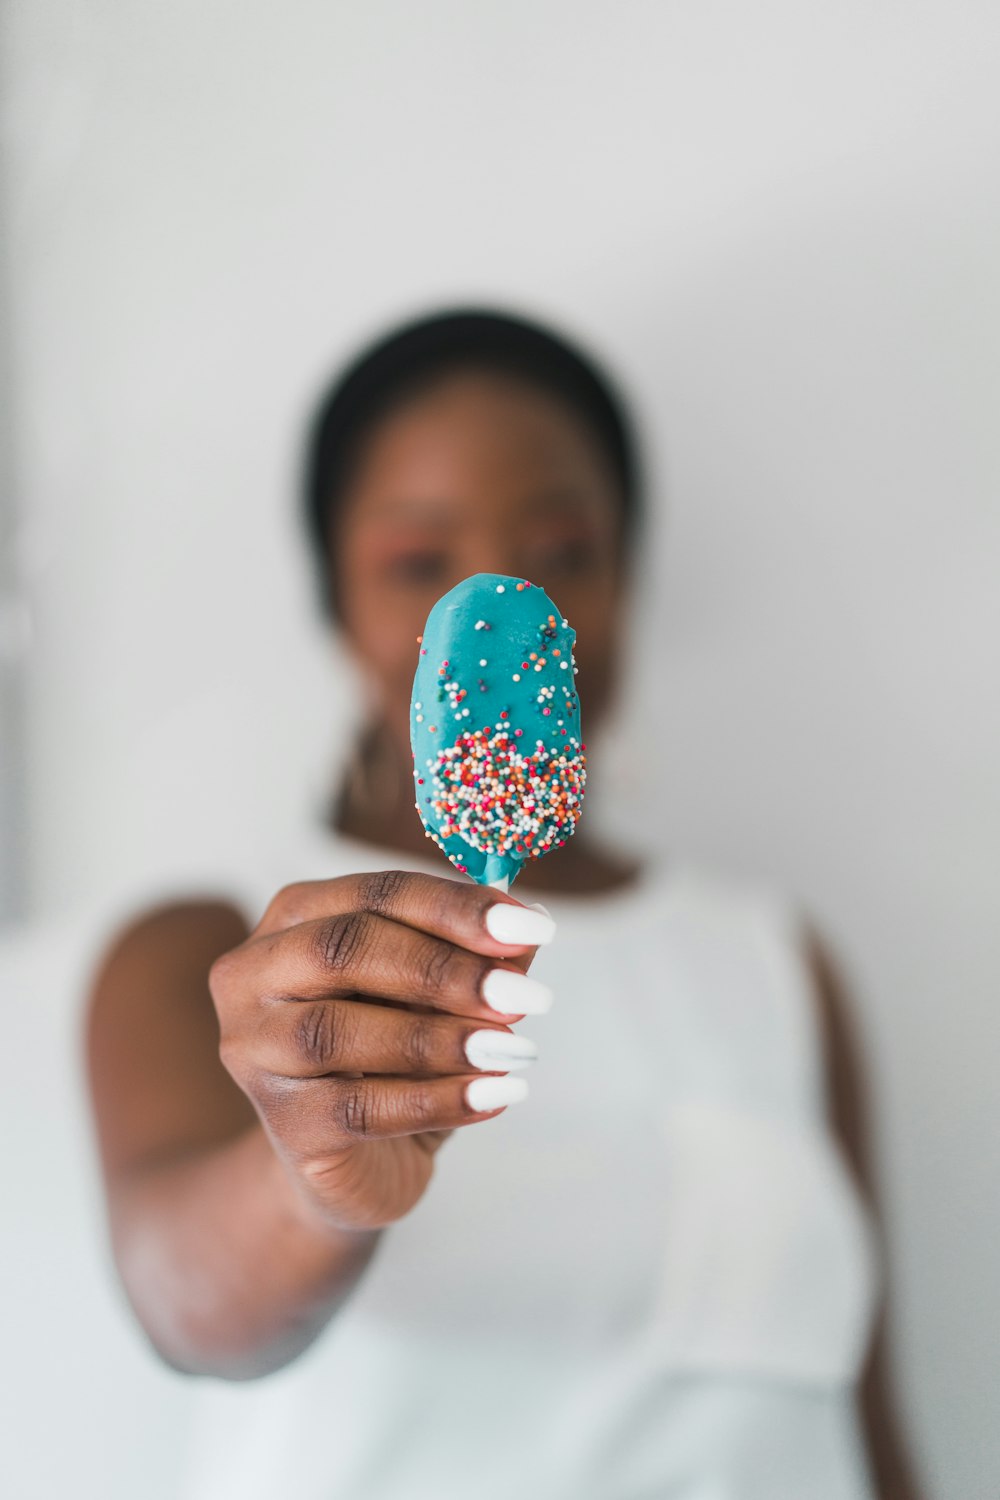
(782, 223)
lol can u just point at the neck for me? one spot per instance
(375, 802)
(375, 806)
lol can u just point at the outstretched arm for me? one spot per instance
(202, 1215)
(268, 1102)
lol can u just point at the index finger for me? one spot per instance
(478, 918)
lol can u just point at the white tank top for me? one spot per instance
(652, 1278)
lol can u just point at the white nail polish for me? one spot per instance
(519, 925)
(514, 994)
(537, 906)
(496, 1051)
(493, 1093)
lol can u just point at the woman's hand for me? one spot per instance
(356, 1016)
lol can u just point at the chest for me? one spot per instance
(666, 1185)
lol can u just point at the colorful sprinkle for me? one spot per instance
(499, 801)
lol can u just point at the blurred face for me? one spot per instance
(480, 474)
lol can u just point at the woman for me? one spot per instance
(652, 1278)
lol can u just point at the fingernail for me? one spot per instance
(496, 1051)
(514, 994)
(537, 906)
(494, 1093)
(519, 925)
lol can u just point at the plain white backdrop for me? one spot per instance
(781, 224)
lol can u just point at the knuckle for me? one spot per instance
(450, 902)
(418, 1045)
(341, 939)
(270, 1094)
(420, 1106)
(287, 902)
(437, 966)
(222, 976)
(380, 891)
(357, 1109)
(317, 1033)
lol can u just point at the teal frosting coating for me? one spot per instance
(499, 767)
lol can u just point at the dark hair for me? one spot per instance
(413, 357)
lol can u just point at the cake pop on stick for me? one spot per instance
(498, 764)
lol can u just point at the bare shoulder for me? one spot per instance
(151, 1031)
(177, 933)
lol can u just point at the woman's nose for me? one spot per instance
(493, 551)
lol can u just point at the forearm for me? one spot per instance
(227, 1268)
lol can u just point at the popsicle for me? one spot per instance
(498, 761)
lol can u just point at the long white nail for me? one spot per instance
(537, 906)
(519, 925)
(514, 994)
(496, 1051)
(493, 1093)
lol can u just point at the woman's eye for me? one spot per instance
(418, 567)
